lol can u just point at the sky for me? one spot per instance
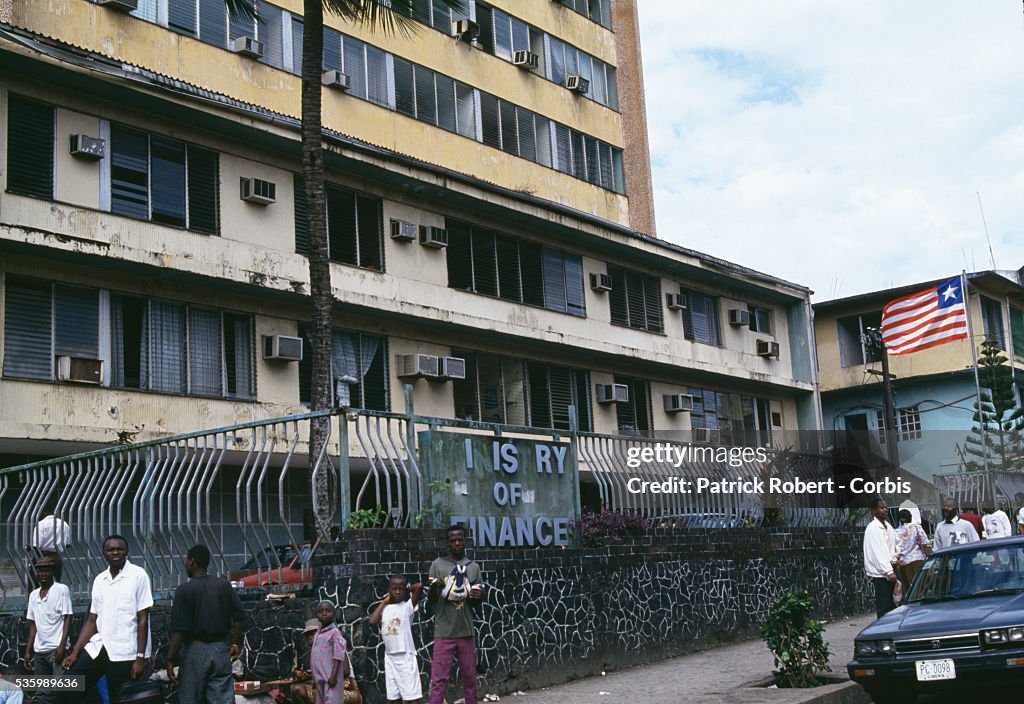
(836, 144)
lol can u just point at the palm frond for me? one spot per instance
(242, 9)
(391, 16)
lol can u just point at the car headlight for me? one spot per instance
(1017, 634)
(873, 648)
(1003, 636)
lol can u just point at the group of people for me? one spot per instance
(893, 555)
(206, 629)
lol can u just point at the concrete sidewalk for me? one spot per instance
(724, 675)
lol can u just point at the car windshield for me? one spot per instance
(970, 573)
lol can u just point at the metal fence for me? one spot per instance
(246, 492)
(975, 489)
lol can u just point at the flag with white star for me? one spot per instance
(926, 319)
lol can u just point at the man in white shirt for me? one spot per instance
(1020, 512)
(49, 622)
(879, 556)
(115, 638)
(954, 530)
(996, 522)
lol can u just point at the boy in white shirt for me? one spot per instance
(49, 623)
(395, 613)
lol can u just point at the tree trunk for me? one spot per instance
(321, 296)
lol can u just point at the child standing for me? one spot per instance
(328, 657)
(394, 613)
(49, 621)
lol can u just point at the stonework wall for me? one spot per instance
(555, 614)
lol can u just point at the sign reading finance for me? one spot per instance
(510, 492)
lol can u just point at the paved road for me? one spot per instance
(723, 675)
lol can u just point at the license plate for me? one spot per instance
(928, 670)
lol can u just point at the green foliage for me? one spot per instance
(998, 418)
(367, 517)
(432, 516)
(796, 641)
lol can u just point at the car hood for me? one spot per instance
(948, 617)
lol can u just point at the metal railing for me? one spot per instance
(240, 490)
(974, 488)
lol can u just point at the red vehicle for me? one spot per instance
(278, 564)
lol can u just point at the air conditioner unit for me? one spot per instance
(675, 301)
(767, 348)
(88, 148)
(86, 371)
(453, 368)
(119, 5)
(436, 237)
(707, 435)
(247, 46)
(403, 231)
(526, 60)
(334, 79)
(601, 282)
(283, 347)
(466, 30)
(675, 403)
(739, 317)
(256, 190)
(417, 365)
(612, 393)
(577, 84)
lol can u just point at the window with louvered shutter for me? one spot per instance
(367, 355)
(582, 381)
(554, 280)
(129, 172)
(332, 55)
(612, 88)
(617, 297)
(405, 94)
(508, 269)
(485, 264)
(203, 190)
(167, 181)
(376, 76)
(563, 148)
(700, 321)
(575, 299)
(543, 128)
(355, 66)
(527, 134)
(502, 34)
(240, 27)
(341, 225)
(213, 22)
(459, 256)
(271, 34)
(167, 338)
(465, 392)
(27, 330)
(76, 322)
(489, 120)
(540, 394)
(421, 11)
(531, 268)
(30, 147)
(441, 18)
(296, 45)
(634, 416)
(445, 102)
(562, 396)
(636, 301)
(129, 342)
(239, 356)
(652, 304)
(509, 130)
(556, 66)
(205, 369)
(181, 16)
(486, 23)
(426, 102)
(371, 229)
(465, 110)
(301, 218)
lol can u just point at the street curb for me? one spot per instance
(845, 693)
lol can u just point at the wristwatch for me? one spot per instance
(140, 655)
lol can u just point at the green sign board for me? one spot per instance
(509, 491)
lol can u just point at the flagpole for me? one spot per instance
(977, 378)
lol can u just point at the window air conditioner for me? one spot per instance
(739, 316)
(247, 46)
(417, 365)
(256, 190)
(707, 435)
(675, 301)
(119, 5)
(601, 282)
(526, 60)
(403, 231)
(87, 148)
(283, 347)
(466, 30)
(675, 403)
(453, 368)
(334, 79)
(612, 393)
(577, 84)
(767, 348)
(86, 371)
(436, 237)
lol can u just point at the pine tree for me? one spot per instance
(999, 415)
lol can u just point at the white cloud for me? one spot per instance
(838, 145)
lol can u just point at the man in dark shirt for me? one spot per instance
(205, 610)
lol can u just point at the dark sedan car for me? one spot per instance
(961, 628)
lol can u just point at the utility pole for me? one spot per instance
(873, 336)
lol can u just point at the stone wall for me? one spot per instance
(555, 614)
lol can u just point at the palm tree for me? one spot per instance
(389, 15)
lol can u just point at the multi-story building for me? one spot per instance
(934, 390)
(153, 274)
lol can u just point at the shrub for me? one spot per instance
(367, 518)
(608, 527)
(795, 640)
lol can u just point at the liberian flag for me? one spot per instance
(926, 319)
